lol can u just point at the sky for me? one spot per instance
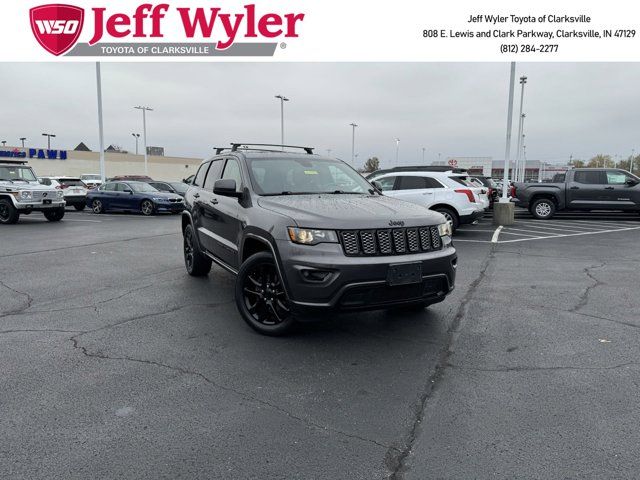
(449, 109)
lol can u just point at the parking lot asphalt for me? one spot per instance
(117, 364)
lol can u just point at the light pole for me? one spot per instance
(353, 143)
(100, 124)
(22, 139)
(282, 100)
(523, 162)
(49, 136)
(3, 142)
(137, 137)
(397, 150)
(144, 135)
(523, 81)
(507, 148)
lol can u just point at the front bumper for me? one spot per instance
(360, 283)
(38, 206)
(170, 207)
(73, 200)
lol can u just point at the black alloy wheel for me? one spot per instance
(261, 298)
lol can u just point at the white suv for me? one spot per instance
(439, 191)
(73, 189)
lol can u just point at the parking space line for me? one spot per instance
(610, 222)
(529, 231)
(496, 234)
(79, 220)
(468, 240)
(570, 235)
(559, 227)
(520, 235)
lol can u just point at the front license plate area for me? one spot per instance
(404, 273)
(46, 202)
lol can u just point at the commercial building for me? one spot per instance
(535, 170)
(77, 162)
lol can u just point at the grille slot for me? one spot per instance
(397, 241)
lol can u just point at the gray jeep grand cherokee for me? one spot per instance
(303, 233)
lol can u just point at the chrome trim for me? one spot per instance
(218, 238)
(220, 263)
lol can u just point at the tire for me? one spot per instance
(543, 209)
(197, 263)
(147, 208)
(79, 207)
(97, 206)
(451, 216)
(55, 214)
(8, 213)
(260, 296)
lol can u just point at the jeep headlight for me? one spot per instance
(26, 195)
(444, 229)
(311, 236)
(60, 193)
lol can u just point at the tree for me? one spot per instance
(577, 163)
(372, 164)
(602, 161)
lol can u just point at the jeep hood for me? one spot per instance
(342, 212)
(7, 186)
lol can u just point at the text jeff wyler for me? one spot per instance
(517, 19)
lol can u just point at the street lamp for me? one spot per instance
(282, 100)
(397, 150)
(507, 147)
(523, 81)
(137, 137)
(353, 143)
(633, 152)
(144, 134)
(49, 137)
(22, 139)
(3, 142)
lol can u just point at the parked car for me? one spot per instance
(479, 190)
(303, 232)
(583, 189)
(491, 186)
(133, 196)
(91, 180)
(130, 178)
(443, 192)
(74, 190)
(179, 188)
(22, 194)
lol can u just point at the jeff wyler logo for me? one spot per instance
(57, 27)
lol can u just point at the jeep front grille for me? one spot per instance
(391, 241)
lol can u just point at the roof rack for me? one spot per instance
(13, 161)
(245, 146)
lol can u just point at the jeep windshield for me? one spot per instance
(16, 173)
(297, 176)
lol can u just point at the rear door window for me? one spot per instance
(198, 181)
(590, 177)
(214, 174)
(412, 183)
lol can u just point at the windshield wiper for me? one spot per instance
(5, 180)
(19, 179)
(342, 192)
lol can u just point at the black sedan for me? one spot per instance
(133, 196)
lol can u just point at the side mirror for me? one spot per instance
(631, 182)
(226, 187)
(377, 185)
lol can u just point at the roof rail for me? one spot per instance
(423, 168)
(219, 150)
(245, 146)
(13, 161)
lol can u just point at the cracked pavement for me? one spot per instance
(116, 364)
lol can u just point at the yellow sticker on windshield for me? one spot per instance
(311, 172)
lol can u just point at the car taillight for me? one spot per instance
(468, 193)
(513, 191)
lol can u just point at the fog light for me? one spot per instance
(315, 275)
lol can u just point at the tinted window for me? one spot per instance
(411, 183)
(180, 187)
(198, 181)
(108, 187)
(460, 180)
(615, 177)
(214, 174)
(589, 177)
(121, 187)
(232, 172)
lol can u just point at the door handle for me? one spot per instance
(214, 201)
(575, 188)
(196, 195)
(608, 188)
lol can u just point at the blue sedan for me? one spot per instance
(133, 196)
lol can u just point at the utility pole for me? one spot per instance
(144, 135)
(22, 139)
(507, 149)
(633, 152)
(137, 137)
(423, 151)
(397, 150)
(100, 125)
(353, 143)
(282, 100)
(49, 136)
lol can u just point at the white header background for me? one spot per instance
(354, 31)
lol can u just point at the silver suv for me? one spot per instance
(21, 193)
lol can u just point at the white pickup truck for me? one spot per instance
(22, 194)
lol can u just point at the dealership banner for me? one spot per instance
(314, 30)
